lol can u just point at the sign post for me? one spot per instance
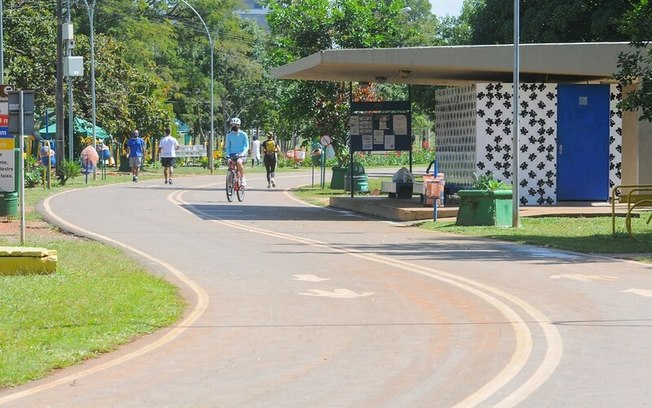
(21, 122)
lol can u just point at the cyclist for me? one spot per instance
(237, 144)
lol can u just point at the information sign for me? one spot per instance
(4, 110)
(7, 165)
(380, 132)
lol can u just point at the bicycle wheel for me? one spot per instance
(241, 193)
(230, 185)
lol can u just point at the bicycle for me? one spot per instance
(233, 180)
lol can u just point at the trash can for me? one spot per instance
(8, 203)
(360, 179)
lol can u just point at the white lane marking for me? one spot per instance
(310, 278)
(175, 331)
(585, 278)
(641, 292)
(523, 335)
(336, 294)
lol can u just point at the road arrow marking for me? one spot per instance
(336, 294)
(310, 278)
(585, 278)
(642, 292)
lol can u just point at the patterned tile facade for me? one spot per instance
(455, 119)
(481, 142)
(615, 136)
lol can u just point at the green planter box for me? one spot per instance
(483, 207)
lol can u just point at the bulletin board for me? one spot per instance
(387, 128)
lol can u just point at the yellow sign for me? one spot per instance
(7, 144)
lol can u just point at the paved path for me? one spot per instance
(292, 306)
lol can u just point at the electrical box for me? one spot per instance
(67, 32)
(73, 66)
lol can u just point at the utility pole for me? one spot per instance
(59, 92)
(69, 46)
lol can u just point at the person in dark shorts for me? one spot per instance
(167, 150)
(136, 154)
(270, 149)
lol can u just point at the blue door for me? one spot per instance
(583, 143)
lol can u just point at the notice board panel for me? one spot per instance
(380, 132)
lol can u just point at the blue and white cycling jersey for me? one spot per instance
(237, 143)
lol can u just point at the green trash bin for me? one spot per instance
(483, 207)
(8, 203)
(360, 179)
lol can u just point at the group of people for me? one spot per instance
(236, 146)
(167, 149)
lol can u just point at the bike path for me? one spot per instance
(292, 305)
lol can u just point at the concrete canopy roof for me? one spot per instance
(459, 65)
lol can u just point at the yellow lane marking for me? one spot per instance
(175, 331)
(523, 335)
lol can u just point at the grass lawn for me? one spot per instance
(581, 234)
(97, 299)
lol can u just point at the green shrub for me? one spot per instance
(69, 169)
(488, 182)
(33, 177)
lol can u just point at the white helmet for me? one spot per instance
(235, 122)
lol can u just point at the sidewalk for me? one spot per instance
(396, 209)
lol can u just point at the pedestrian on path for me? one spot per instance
(135, 153)
(255, 152)
(167, 150)
(270, 150)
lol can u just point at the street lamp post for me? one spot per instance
(90, 8)
(212, 134)
(516, 126)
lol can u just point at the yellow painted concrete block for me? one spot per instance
(26, 260)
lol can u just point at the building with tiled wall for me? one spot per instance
(474, 135)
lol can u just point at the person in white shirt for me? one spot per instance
(167, 151)
(255, 152)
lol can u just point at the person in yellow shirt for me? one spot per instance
(270, 149)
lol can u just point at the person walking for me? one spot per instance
(270, 149)
(237, 145)
(135, 153)
(167, 150)
(255, 152)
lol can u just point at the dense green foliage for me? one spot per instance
(543, 21)
(153, 59)
(299, 29)
(635, 67)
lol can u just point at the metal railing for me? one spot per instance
(631, 204)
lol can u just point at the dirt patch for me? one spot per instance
(10, 231)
